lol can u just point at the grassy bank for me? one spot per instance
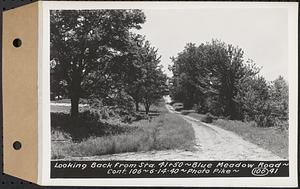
(271, 138)
(93, 137)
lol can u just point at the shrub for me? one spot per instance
(208, 118)
(89, 124)
(198, 108)
(57, 135)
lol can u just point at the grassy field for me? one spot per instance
(272, 138)
(92, 137)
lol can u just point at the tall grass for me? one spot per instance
(274, 139)
(168, 131)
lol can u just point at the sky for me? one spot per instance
(262, 33)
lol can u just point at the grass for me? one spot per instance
(61, 109)
(197, 116)
(93, 136)
(66, 100)
(168, 131)
(272, 138)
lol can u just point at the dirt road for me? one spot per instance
(212, 143)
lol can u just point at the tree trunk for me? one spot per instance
(75, 91)
(74, 107)
(147, 108)
(137, 106)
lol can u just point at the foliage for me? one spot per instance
(252, 97)
(267, 104)
(168, 131)
(89, 124)
(214, 77)
(95, 55)
(279, 98)
(86, 49)
(208, 118)
(147, 83)
(207, 75)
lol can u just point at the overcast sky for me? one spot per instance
(262, 33)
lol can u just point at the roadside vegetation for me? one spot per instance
(214, 78)
(274, 139)
(106, 85)
(109, 81)
(97, 135)
(215, 81)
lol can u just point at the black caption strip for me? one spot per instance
(154, 169)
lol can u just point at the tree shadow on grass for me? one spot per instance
(86, 126)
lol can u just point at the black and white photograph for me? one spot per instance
(197, 84)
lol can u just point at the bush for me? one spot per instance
(208, 118)
(89, 124)
(198, 108)
(264, 120)
(120, 108)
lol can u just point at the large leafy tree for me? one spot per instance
(227, 65)
(207, 75)
(154, 83)
(133, 81)
(214, 77)
(87, 47)
(147, 83)
(192, 80)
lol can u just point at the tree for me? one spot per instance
(207, 76)
(154, 88)
(85, 43)
(265, 103)
(252, 98)
(279, 98)
(227, 66)
(152, 84)
(133, 81)
(191, 80)
(146, 82)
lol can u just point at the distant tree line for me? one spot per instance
(214, 77)
(95, 55)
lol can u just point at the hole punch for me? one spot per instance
(17, 42)
(17, 145)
